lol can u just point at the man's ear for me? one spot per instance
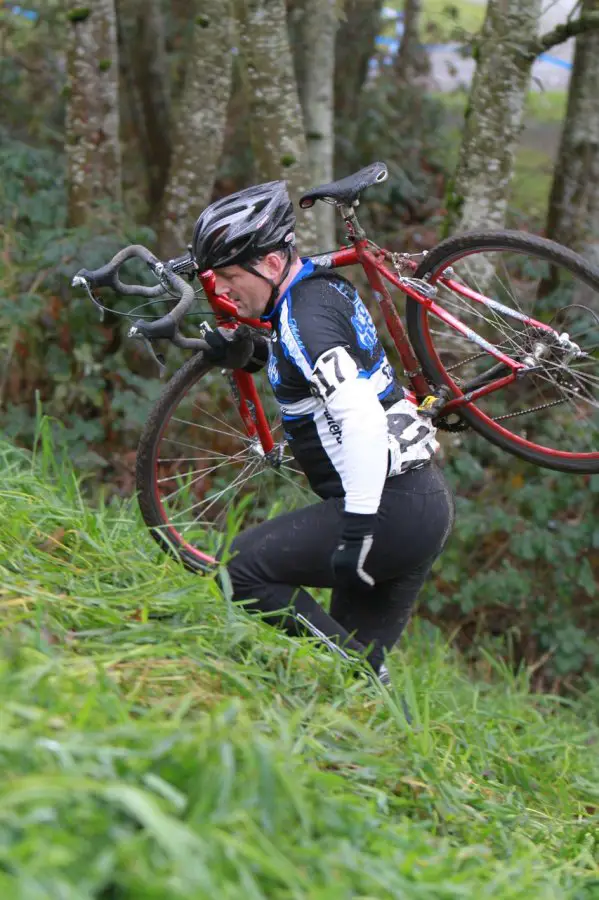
(274, 264)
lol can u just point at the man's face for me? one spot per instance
(250, 293)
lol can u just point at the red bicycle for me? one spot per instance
(502, 336)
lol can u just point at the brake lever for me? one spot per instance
(158, 357)
(80, 281)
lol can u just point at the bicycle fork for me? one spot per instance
(250, 408)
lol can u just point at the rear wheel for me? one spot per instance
(550, 416)
(200, 477)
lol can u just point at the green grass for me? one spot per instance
(546, 106)
(444, 20)
(531, 184)
(440, 18)
(542, 107)
(156, 743)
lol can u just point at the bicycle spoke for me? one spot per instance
(228, 426)
(571, 393)
(464, 304)
(238, 482)
(179, 443)
(215, 456)
(577, 373)
(210, 501)
(201, 473)
(226, 432)
(293, 482)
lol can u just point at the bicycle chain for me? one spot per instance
(464, 361)
(525, 412)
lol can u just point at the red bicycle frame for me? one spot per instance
(372, 259)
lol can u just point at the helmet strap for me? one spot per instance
(275, 286)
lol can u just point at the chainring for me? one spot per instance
(452, 422)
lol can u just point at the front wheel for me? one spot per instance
(550, 417)
(201, 476)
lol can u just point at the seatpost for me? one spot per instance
(355, 232)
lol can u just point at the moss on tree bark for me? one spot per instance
(477, 197)
(92, 119)
(573, 217)
(199, 124)
(276, 122)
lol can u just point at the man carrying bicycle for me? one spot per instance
(385, 510)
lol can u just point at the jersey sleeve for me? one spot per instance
(364, 439)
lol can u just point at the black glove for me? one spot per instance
(236, 349)
(349, 557)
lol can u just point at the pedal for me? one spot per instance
(431, 406)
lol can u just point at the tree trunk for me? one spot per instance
(199, 124)
(573, 217)
(92, 120)
(146, 49)
(297, 32)
(354, 47)
(412, 59)
(477, 197)
(320, 25)
(276, 125)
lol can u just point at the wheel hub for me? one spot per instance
(273, 458)
(551, 352)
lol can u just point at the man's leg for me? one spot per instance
(415, 520)
(379, 617)
(271, 562)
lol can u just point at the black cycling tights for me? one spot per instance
(272, 563)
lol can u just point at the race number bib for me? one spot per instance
(411, 438)
(332, 369)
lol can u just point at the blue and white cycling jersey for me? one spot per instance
(327, 369)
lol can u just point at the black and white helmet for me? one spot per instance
(244, 226)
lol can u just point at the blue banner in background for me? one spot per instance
(26, 13)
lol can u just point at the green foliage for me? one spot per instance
(51, 339)
(157, 743)
(32, 72)
(531, 185)
(522, 567)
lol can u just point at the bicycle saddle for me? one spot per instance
(346, 190)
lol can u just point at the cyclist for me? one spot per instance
(385, 510)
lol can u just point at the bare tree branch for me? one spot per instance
(562, 33)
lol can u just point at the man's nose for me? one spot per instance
(221, 287)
